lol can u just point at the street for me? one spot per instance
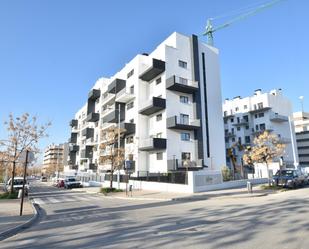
(72, 219)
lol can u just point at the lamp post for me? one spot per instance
(118, 173)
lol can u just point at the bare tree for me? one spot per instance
(113, 153)
(23, 133)
(266, 148)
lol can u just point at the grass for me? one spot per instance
(8, 195)
(110, 190)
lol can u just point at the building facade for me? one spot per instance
(168, 102)
(55, 158)
(245, 118)
(301, 124)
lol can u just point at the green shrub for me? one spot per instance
(8, 195)
(110, 190)
(226, 173)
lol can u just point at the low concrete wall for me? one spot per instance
(231, 184)
(161, 186)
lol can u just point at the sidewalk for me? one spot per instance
(168, 196)
(9, 214)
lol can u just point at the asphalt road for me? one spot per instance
(80, 220)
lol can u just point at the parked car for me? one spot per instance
(289, 178)
(43, 179)
(18, 184)
(71, 182)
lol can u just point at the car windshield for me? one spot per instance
(71, 180)
(18, 181)
(285, 173)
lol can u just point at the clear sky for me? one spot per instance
(53, 51)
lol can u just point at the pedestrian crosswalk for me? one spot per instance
(46, 200)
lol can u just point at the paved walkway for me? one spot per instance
(156, 195)
(9, 214)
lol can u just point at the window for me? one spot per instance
(160, 156)
(260, 105)
(225, 121)
(261, 114)
(132, 89)
(130, 73)
(238, 120)
(226, 140)
(246, 118)
(256, 116)
(186, 156)
(233, 139)
(132, 121)
(158, 81)
(238, 128)
(247, 127)
(159, 117)
(239, 140)
(130, 105)
(129, 139)
(232, 120)
(237, 109)
(262, 127)
(232, 130)
(184, 99)
(256, 127)
(182, 64)
(247, 139)
(185, 136)
(225, 113)
(245, 107)
(184, 119)
(183, 81)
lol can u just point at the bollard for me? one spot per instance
(130, 189)
(20, 192)
(249, 187)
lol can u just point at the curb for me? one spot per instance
(137, 198)
(13, 231)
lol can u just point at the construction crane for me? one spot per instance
(210, 29)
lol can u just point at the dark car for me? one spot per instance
(71, 182)
(290, 178)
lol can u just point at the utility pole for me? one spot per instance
(23, 189)
(118, 175)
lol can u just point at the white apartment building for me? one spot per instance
(244, 118)
(169, 102)
(301, 124)
(55, 157)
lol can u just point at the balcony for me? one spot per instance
(94, 94)
(108, 98)
(183, 85)
(124, 97)
(74, 123)
(93, 117)
(156, 68)
(111, 116)
(88, 132)
(152, 144)
(152, 106)
(230, 134)
(116, 86)
(241, 122)
(275, 117)
(258, 132)
(259, 109)
(176, 122)
(128, 127)
(87, 152)
(73, 148)
(179, 165)
(73, 138)
(93, 166)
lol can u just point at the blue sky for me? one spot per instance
(53, 51)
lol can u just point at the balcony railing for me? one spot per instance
(275, 117)
(153, 71)
(155, 104)
(180, 84)
(177, 122)
(151, 144)
(125, 96)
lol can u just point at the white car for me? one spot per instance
(18, 184)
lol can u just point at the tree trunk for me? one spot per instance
(268, 174)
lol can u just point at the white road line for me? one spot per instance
(39, 201)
